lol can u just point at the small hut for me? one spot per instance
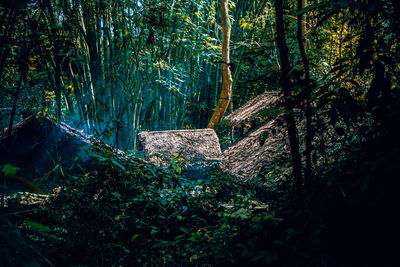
(194, 149)
(261, 151)
(38, 144)
(264, 150)
(251, 154)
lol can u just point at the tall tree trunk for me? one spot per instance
(288, 102)
(226, 91)
(301, 28)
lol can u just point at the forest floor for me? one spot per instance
(131, 214)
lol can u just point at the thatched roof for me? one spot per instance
(249, 111)
(264, 151)
(250, 155)
(38, 143)
(191, 147)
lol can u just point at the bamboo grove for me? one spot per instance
(113, 68)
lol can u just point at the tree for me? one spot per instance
(286, 85)
(226, 91)
(301, 29)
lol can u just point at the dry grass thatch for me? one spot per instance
(265, 151)
(261, 148)
(197, 148)
(249, 111)
(37, 144)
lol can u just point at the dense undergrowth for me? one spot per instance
(135, 214)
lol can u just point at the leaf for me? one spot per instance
(268, 217)
(177, 168)
(118, 245)
(275, 68)
(152, 172)
(186, 231)
(154, 231)
(184, 208)
(26, 182)
(42, 230)
(38, 226)
(116, 163)
(10, 169)
(134, 237)
(117, 195)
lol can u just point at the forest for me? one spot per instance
(199, 132)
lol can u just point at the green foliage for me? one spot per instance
(140, 214)
(9, 169)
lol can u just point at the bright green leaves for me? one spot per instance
(9, 169)
(43, 231)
